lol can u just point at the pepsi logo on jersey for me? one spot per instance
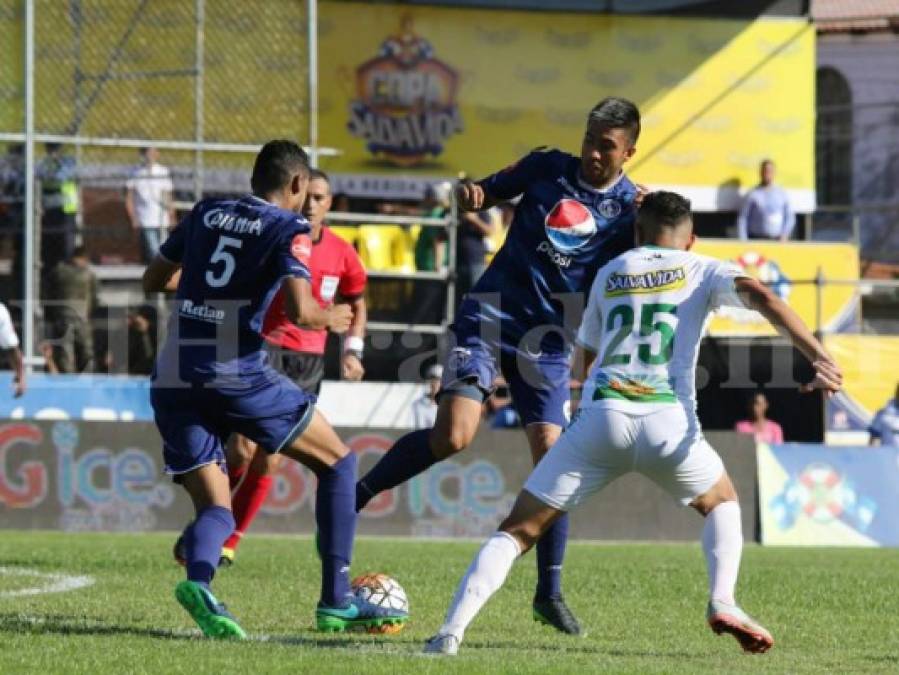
(569, 225)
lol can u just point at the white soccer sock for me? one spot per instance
(484, 577)
(722, 542)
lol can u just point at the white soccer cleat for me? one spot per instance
(725, 618)
(445, 645)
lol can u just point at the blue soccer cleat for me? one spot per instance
(358, 614)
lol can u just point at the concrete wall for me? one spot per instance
(107, 476)
(869, 64)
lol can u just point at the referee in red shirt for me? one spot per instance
(337, 275)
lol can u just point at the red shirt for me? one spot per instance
(335, 268)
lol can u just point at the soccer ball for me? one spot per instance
(384, 591)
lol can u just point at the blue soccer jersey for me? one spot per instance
(563, 231)
(234, 256)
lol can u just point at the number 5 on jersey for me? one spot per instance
(621, 320)
(223, 255)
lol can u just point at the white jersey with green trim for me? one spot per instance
(645, 319)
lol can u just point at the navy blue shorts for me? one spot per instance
(538, 382)
(196, 420)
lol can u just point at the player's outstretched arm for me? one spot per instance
(161, 275)
(303, 309)
(759, 297)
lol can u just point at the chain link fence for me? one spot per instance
(204, 82)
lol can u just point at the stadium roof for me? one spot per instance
(834, 16)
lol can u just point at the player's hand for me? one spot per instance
(642, 191)
(339, 318)
(470, 196)
(18, 387)
(828, 377)
(351, 367)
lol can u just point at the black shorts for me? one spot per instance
(304, 369)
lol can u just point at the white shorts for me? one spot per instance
(603, 443)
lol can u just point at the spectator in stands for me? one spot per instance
(149, 203)
(341, 203)
(471, 248)
(56, 175)
(766, 213)
(884, 427)
(12, 207)
(431, 253)
(45, 349)
(764, 429)
(70, 295)
(424, 408)
(141, 345)
(9, 343)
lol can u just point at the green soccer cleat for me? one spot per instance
(752, 636)
(211, 616)
(358, 614)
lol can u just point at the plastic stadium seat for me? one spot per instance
(375, 245)
(404, 248)
(347, 233)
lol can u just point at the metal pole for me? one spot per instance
(856, 229)
(452, 235)
(76, 18)
(312, 48)
(29, 304)
(199, 102)
(819, 300)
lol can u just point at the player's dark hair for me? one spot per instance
(276, 165)
(617, 113)
(661, 209)
(321, 175)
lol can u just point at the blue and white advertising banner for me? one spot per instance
(817, 495)
(95, 398)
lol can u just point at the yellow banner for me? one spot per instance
(789, 268)
(436, 91)
(870, 366)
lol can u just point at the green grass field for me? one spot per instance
(830, 610)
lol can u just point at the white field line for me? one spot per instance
(53, 582)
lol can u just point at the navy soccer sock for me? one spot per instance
(550, 554)
(409, 456)
(203, 541)
(335, 517)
